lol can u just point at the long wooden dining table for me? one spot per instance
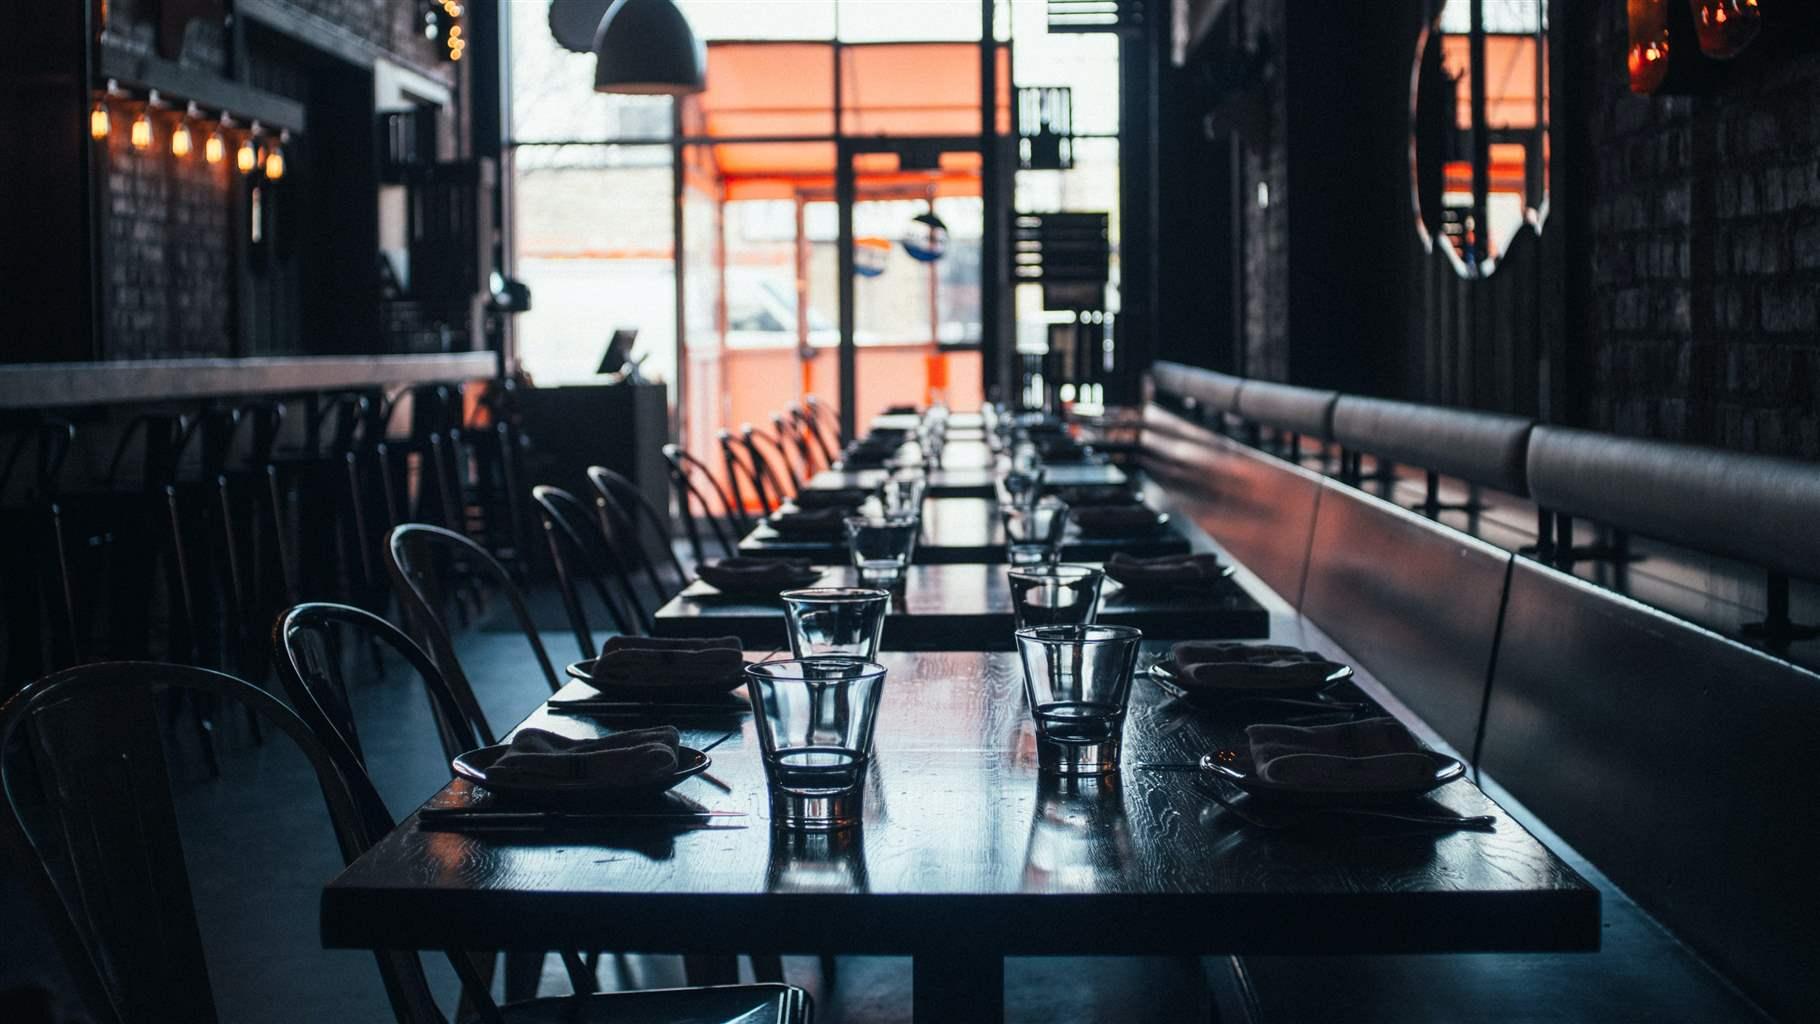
(968, 854)
(967, 607)
(969, 530)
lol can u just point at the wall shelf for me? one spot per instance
(56, 385)
(205, 88)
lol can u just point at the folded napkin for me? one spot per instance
(867, 458)
(1165, 571)
(654, 661)
(1227, 664)
(810, 523)
(1375, 754)
(623, 759)
(1121, 519)
(831, 497)
(764, 576)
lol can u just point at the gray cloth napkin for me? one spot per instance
(654, 661)
(755, 576)
(831, 497)
(810, 522)
(1165, 571)
(1376, 754)
(623, 759)
(1226, 664)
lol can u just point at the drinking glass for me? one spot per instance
(1077, 680)
(815, 718)
(881, 546)
(902, 495)
(1055, 595)
(845, 621)
(1033, 533)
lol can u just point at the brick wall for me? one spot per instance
(170, 254)
(1703, 221)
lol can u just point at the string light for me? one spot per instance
(214, 148)
(274, 156)
(247, 158)
(97, 121)
(181, 139)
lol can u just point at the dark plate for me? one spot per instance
(1163, 671)
(806, 578)
(671, 693)
(1122, 532)
(473, 766)
(1238, 772)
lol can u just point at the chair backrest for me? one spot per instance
(91, 825)
(790, 427)
(581, 553)
(811, 426)
(1674, 759)
(783, 439)
(1755, 508)
(423, 561)
(309, 640)
(1260, 508)
(1477, 447)
(743, 479)
(756, 441)
(631, 513)
(691, 499)
(1414, 602)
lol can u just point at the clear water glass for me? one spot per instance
(1077, 680)
(902, 495)
(815, 718)
(835, 621)
(1055, 595)
(1033, 532)
(882, 546)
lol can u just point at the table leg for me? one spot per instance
(958, 987)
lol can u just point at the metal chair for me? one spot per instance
(768, 473)
(783, 439)
(624, 509)
(811, 439)
(580, 552)
(683, 467)
(119, 900)
(422, 559)
(743, 476)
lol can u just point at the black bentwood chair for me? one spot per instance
(426, 561)
(745, 476)
(690, 498)
(640, 531)
(581, 553)
(119, 901)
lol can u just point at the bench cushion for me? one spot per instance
(1415, 603)
(1478, 447)
(1209, 388)
(1259, 508)
(1677, 761)
(1750, 507)
(1304, 411)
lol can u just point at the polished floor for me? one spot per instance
(258, 848)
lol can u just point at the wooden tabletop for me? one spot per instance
(968, 608)
(958, 530)
(961, 827)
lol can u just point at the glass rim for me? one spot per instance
(882, 519)
(864, 668)
(1054, 571)
(1092, 633)
(837, 595)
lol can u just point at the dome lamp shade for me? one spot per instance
(647, 47)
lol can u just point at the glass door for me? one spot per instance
(910, 228)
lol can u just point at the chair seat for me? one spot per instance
(719, 1004)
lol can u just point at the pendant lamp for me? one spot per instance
(647, 47)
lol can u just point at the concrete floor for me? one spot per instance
(259, 847)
